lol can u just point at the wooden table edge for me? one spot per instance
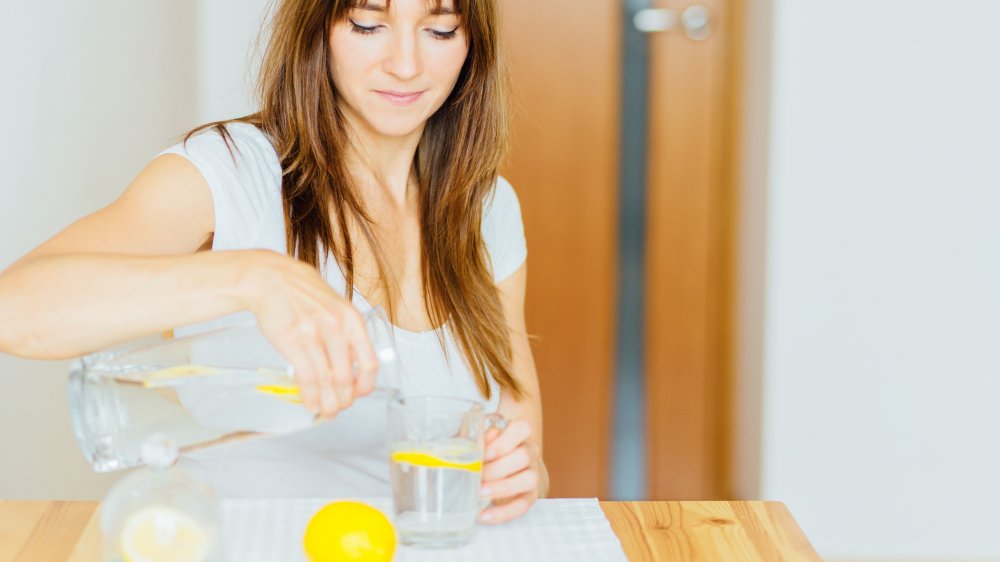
(625, 518)
(629, 521)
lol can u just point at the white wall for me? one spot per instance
(228, 56)
(90, 92)
(882, 305)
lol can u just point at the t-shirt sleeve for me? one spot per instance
(240, 179)
(503, 230)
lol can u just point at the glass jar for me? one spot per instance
(160, 512)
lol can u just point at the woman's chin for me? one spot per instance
(398, 130)
(396, 125)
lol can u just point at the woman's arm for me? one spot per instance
(61, 306)
(132, 268)
(515, 474)
(122, 271)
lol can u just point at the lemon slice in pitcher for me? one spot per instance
(286, 392)
(163, 534)
(170, 375)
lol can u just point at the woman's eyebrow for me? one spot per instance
(442, 11)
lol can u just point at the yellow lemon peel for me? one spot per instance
(288, 393)
(345, 530)
(418, 458)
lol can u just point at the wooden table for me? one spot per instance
(43, 531)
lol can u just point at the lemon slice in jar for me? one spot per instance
(163, 534)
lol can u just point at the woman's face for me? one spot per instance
(394, 67)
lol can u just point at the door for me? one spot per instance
(564, 166)
(567, 63)
(690, 200)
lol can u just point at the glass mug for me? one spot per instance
(436, 459)
(199, 391)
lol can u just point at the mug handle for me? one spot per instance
(500, 423)
(494, 420)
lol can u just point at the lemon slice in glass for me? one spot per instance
(420, 458)
(163, 534)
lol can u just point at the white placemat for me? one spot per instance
(570, 530)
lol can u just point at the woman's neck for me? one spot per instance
(381, 165)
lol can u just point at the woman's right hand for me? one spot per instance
(316, 329)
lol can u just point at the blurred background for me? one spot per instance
(763, 239)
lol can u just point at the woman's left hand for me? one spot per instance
(513, 474)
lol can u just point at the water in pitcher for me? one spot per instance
(436, 490)
(199, 391)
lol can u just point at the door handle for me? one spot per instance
(694, 20)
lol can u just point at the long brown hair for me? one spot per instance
(457, 161)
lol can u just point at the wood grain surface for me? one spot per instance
(57, 531)
(693, 530)
(46, 530)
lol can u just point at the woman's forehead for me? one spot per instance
(432, 5)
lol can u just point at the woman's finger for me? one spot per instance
(511, 463)
(513, 509)
(341, 378)
(305, 375)
(490, 435)
(523, 482)
(517, 432)
(363, 355)
(323, 380)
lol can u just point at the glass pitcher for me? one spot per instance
(199, 391)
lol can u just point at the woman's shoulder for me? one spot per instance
(243, 174)
(502, 198)
(231, 150)
(503, 230)
(236, 140)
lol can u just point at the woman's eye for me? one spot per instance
(444, 35)
(364, 30)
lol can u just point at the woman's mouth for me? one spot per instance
(401, 99)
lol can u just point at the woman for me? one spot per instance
(373, 161)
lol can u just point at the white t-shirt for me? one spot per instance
(345, 456)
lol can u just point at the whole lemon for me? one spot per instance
(345, 530)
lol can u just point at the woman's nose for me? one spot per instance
(403, 60)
